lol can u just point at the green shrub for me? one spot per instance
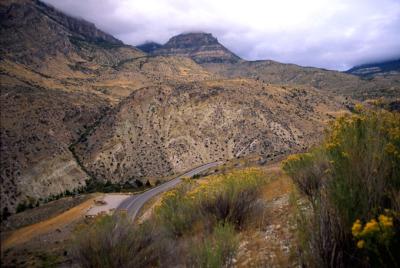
(177, 213)
(232, 197)
(229, 198)
(112, 241)
(183, 218)
(216, 250)
(354, 175)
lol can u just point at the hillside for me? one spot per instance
(334, 82)
(53, 89)
(185, 154)
(165, 129)
(371, 70)
(80, 82)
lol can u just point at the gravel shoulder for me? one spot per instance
(111, 202)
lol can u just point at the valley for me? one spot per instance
(83, 114)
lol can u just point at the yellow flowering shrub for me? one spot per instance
(375, 235)
(353, 174)
(191, 202)
(358, 107)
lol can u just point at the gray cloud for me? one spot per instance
(332, 34)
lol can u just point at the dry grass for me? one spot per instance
(268, 242)
(27, 233)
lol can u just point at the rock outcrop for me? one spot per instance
(201, 47)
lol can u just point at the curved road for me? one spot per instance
(134, 203)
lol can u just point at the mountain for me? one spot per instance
(166, 129)
(376, 69)
(209, 53)
(335, 82)
(201, 47)
(77, 103)
(58, 76)
(149, 47)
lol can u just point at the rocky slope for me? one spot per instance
(165, 129)
(201, 47)
(58, 76)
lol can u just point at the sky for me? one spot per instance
(331, 34)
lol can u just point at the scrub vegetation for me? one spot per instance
(352, 183)
(200, 222)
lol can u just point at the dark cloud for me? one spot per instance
(333, 34)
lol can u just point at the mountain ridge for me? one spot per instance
(370, 70)
(205, 49)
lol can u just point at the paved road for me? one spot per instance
(134, 203)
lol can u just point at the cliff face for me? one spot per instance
(201, 47)
(32, 31)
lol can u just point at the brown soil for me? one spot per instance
(27, 233)
(271, 243)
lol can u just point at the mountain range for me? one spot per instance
(78, 104)
(205, 50)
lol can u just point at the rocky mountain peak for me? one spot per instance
(191, 40)
(201, 47)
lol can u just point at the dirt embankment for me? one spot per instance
(24, 234)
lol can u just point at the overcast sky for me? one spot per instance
(333, 34)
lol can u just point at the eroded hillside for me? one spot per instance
(58, 76)
(166, 129)
(62, 80)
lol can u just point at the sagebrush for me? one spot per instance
(353, 177)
